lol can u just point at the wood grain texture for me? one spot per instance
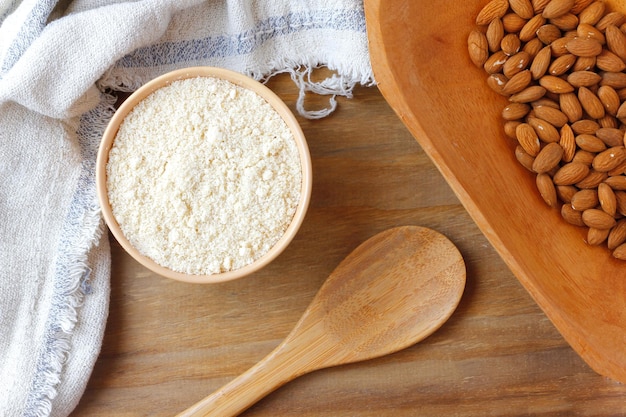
(169, 344)
(419, 50)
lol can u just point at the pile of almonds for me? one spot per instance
(562, 63)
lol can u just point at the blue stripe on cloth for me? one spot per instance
(9, 8)
(80, 231)
(31, 28)
(245, 42)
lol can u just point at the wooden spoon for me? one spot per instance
(391, 292)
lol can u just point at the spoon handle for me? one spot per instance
(283, 364)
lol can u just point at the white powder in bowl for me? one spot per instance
(203, 176)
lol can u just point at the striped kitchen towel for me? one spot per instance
(59, 60)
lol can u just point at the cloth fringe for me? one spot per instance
(73, 270)
(334, 85)
(59, 340)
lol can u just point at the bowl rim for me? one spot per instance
(241, 80)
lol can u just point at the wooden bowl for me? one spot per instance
(420, 60)
(243, 81)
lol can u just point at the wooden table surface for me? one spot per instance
(169, 344)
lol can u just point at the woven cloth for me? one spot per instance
(58, 62)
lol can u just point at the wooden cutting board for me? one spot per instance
(420, 60)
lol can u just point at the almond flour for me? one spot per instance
(203, 176)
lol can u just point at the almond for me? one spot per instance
(546, 131)
(497, 82)
(608, 61)
(617, 182)
(617, 236)
(598, 219)
(523, 8)
(548, 158)
(495, 62)
(592, 13)
(571, 173)
(509, 128)
(584, 47)
(590, 143)
(515, 111)
(531, 27)
(616, 41)
(585, 30)
(546, 189)
(524, 158)
(585, 126)
(555, 84)
(620, 252)
(610, 99)
(495, 9)
(610, 136)
(616, 80)
(478, 47)
(529, 94)
(618, 170)
(541, 63)
(584, 200)
(583, 78)
(548, 33)
(584, 157)
(609, 159)
(495, 34)
(566, 192)
(528, 139)
(513, 22)
(551, 115)
(608, 121)
(562, 64)
(567, 22)
(620, 197)
(621, 111)
(596, 237)
(571, 107)
(557, 8)
(520, 81)
(592, 180)
(545, 101)
(539, 5)
(610, 19)
(584, 63)
(516, 63)
(510, 44)
(607, 199)
(572, 216)
(567, 141)
(591, 103)
(580, 5)
(532, 47)
(558, 46)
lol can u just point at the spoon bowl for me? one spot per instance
(391, 292)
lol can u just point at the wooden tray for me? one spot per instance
(420, 60)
